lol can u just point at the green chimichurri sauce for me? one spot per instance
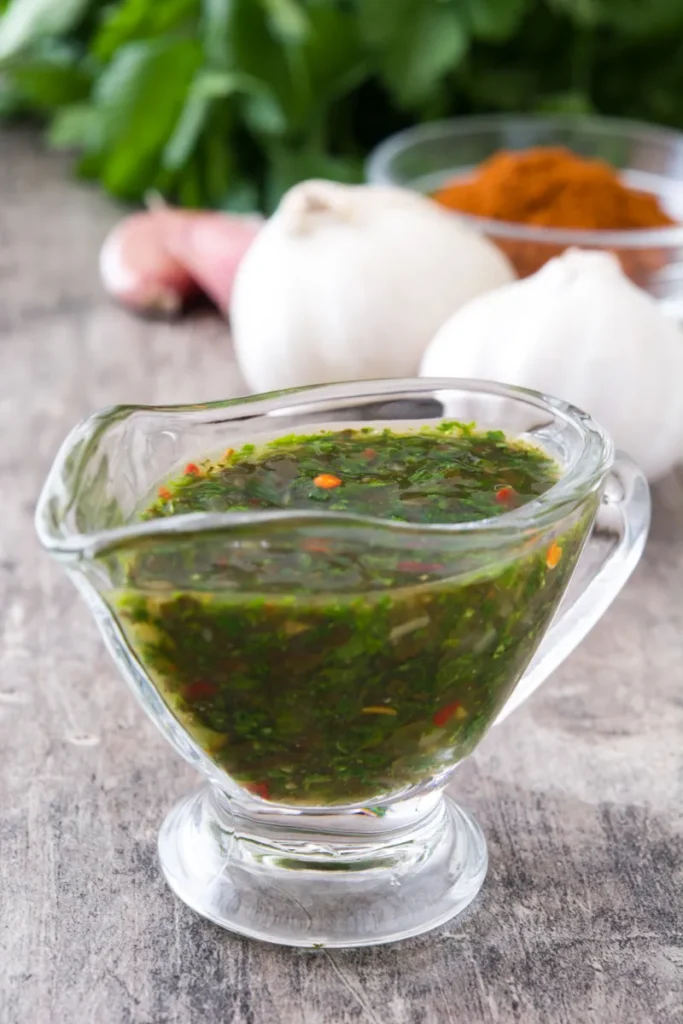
(317, 665)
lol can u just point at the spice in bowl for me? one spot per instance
(552, 187)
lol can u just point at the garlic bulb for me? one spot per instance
(351, 282)
(580, 330)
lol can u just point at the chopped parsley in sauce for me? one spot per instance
(329, 663)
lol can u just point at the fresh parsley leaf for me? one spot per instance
(139, 19)
(26, 21)
(139, 96)
(52, 76)
(495, 19)
(417, 45)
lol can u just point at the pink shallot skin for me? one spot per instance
(155, 262)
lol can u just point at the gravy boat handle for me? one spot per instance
(609, 557)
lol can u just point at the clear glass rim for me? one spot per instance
(588, 468)
(379, 162)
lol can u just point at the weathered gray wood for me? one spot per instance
(580, 793)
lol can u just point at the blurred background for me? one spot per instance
(227, 103)
(545, 126)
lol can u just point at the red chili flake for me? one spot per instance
(200, 690)
(369, 453)
(444, 715)
(191, 469)
(553, 555)
(258, 789)
(419, 566)
(327, 481)
(506, 496)
(164, 493)
(315, 545)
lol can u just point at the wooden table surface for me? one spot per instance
(580, 793)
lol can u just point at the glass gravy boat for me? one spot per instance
(328, 724)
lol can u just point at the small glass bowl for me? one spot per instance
(649, 159)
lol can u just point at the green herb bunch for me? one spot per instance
(227, 103)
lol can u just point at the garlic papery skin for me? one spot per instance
(351, 282)
(578, 329)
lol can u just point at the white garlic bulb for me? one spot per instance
(351, 282)
(578, 329)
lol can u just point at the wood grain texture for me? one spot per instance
(580, 793)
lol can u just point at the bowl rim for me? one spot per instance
(62, 536)
(378, 163)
